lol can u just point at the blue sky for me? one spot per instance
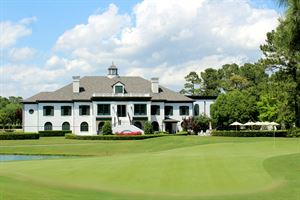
(54, 17)
(144, 41)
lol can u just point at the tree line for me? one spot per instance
(10, 111)
(267, 90)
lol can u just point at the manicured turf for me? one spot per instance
(188, 167)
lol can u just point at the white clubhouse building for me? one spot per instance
(127, 102)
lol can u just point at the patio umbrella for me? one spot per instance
(236, 124)
(274, 124)
(266, 123)
(249, 124)
(258, 123)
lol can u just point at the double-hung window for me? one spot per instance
(168, 110)
(84, 110)
(140, 109)
(155, 110)
(66, 111)
(183, 110)
(48, 110)
(103, 109)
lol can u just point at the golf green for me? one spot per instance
(188, 167)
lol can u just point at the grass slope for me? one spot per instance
(162, 168)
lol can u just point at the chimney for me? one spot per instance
(76, 83)
(154, 85)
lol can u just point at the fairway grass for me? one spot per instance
(188, 167)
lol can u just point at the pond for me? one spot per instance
(4, 158)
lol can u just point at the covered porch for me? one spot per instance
(170, 125)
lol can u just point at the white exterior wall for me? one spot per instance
(30, 121)
(204, 106)
(159, 118)
(57, 120)
(78, 119)
(176, 113)
(35, 122)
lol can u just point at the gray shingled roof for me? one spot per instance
(103, 84)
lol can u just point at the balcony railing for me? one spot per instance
(121, 95)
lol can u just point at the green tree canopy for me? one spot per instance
(234, 106)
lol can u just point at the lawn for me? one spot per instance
(183, 167)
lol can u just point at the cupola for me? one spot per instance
(112, 71)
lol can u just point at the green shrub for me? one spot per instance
(110, 137)
(202, 121)
(195, 124)
(106, 129)
(18, 136)
(182, 133)
(148, 128)
(53, 133)
(253, 133)
(294, 132)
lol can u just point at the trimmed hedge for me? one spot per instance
(253, 133)
(19, 136)
(179, 133)
(53, 133)
(182, 133)
(110, 137)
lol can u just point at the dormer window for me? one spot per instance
(119, 89)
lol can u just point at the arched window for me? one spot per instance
(155, 126)
(48, 126)
(196, 110)
(65, 126)
(100, 125)
(84, 127)
(138, 124)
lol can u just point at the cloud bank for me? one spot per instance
(166, 39)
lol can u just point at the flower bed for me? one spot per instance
(129, 133)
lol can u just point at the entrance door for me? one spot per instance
(169, 127)
(121, 110)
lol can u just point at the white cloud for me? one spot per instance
(10, 32)
(166, 39)
(163, 37)
(21, 54)
(97, 32)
